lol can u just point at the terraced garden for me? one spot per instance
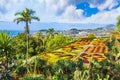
(85, 49)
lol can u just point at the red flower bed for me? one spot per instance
(98, 55)
(82, 42)
(72, 47)
(97, 50)
(103, 49)
(87, 49)
(93, 49)
(83, 54)
(95, 58)
(85, 61)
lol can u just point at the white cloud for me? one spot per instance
(9, 7)
(71, 14)
(56, 6)
(61, 10)
(108, 4)
(104, 17)
(102, 4)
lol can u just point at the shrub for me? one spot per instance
(91, 36)
(38, 65)
(80, 64)
(64, 69)
(5, 75)
(21, 70)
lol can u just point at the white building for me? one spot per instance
(82, 34)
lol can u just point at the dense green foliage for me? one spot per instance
(14, 50)
(38, 67)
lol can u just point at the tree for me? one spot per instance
(18, 45)
(64, 69)
(118, 23)
(38, 37)
(50, 32)
(26, 16)
(91, 36)
(74, 31)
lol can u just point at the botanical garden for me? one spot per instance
(56, 56)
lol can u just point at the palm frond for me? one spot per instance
(26, 16)
(20, 19)
(18, 13)
(4, 39)
(31, 12)
(35, 18)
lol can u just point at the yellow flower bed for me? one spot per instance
(53, 58)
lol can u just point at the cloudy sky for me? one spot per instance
(65, 11)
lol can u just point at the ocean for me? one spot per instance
(16, 32)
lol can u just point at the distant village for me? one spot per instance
(98, 32)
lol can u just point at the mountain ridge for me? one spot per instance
(6, 25)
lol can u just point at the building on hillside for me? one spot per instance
(82, 34)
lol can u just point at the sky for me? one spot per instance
(64, 11)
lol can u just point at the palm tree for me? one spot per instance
(39, 40)
(26, 16)
(50, 32)
(38, 37)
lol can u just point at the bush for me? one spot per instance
(80, 64)
(64, 69)
(5, 76)
(21, 70)
(91, 36)
(38, 65)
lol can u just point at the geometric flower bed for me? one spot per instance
(94, 51)
(85, 49)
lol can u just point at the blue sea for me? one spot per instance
(16, 32)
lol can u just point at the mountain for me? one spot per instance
(110, 26)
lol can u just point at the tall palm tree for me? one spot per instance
(26, 16)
